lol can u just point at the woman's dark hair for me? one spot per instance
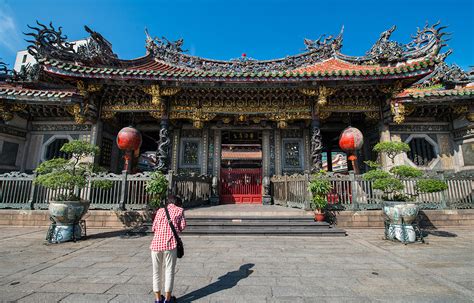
(176, 200)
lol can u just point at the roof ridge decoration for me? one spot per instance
(51, 43)
(449, 75)
(4, 71)
(427, 41)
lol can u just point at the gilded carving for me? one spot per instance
(324, 115)
(76, 111)
(323, 92)
(460, 109)
(372, 116)
(398, 112)
(156, 92)
(106, 115)
(5, 113)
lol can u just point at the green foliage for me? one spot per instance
(320, 187)
(375, 174)
(388, 185)
(391, 148)
(157, 187)
(71, 175)
(372, 164)
(405, 171)
(390, 182)
(430, 185)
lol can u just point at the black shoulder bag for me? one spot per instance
(179, 243)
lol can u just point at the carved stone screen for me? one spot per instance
(8, 153)
(468, 153)
(190, 153)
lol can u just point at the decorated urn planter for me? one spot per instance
(400, 216)
(68, 176)
(66, 216)
(398, 207)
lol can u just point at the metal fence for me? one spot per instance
(353, 192)
(127, 191)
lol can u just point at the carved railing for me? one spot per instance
(352, 192)
(127, 191)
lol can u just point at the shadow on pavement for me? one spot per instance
(439, 233)
(226, 281)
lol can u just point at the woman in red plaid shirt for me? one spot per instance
(163, 247)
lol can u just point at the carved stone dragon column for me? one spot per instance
(157, 94)
(322, 92)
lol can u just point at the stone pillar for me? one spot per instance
(316, 146)
(385, 137)
(96, 138)
(278, 169)
(205, 151)
(266, 197)
(216, 171)
(307, 150)
(175, 150)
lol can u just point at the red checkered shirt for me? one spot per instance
(164, 238)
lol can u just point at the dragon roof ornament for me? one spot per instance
(49, 42)
(3, 69)
(428, 41)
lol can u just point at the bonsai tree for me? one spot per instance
(319, 187)
(157, 187)
(71, 174)
(391, 182)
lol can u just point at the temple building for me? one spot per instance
(243, 120)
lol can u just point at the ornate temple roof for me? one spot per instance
(19, 93)
(167, 61)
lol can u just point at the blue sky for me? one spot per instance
(225, 29)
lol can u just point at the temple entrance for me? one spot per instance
(241, 167)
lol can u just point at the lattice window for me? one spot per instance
(106, 152)
(53, 150)
(421, 151)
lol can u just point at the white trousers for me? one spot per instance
(168, 259)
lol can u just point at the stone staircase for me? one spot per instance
(255, 220)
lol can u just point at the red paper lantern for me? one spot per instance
(129, 138)
(351, 139)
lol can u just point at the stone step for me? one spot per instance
(297, 226)
(265, 231)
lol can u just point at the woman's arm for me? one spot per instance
(181, 222)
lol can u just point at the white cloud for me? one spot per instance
(10, 39)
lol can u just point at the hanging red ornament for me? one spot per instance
(129, 138)
(351, 140)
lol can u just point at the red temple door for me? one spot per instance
(241, 185)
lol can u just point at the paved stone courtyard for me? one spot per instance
(361, 267)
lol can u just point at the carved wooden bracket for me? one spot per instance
(323, 92)
(156, 92)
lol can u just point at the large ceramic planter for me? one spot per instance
(66, 216)
(400, 216)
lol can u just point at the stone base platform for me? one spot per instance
(345, 219)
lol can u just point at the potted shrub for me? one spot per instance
(157, 187)
(399, 206)
(320, 187)
(66, 177)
